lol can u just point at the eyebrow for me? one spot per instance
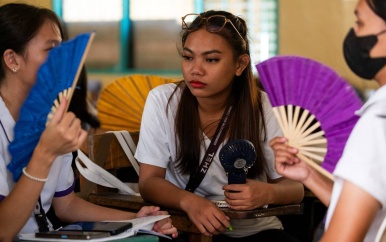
(205, 52)
(356, 12)
(53, 41)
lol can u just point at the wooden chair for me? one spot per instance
(104, 149)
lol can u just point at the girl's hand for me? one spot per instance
(208, 218)
(63, 133)
(251, 195)
(163, 226)
(286, 161)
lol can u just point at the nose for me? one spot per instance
(197, 69)
(196, 73)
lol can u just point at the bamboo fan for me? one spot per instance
(66, 93)
(120, 104)
(314, 107)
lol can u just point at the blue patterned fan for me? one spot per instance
(56, 77)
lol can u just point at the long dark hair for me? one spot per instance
(247, 120)
(378, 7)
(19, 23)
(79, 102)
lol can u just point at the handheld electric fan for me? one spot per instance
(237, 156)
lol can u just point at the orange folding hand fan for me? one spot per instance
(120, 104)
(314, 107)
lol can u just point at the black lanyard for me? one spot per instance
(40, 215)
(6, 135)
(196, 178)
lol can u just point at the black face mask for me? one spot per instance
(357, 55)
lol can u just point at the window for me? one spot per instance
(156, 32)
(261, 18)
(144, 35)
(106, 19)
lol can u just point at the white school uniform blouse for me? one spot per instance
(157, 147)
(363, 162)
(60, 179)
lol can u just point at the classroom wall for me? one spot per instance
(316, 29)
(310, 28)
(42, 3)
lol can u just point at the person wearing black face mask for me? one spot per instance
(356, 51)
(356, 199)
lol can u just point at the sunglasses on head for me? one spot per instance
(214, 23)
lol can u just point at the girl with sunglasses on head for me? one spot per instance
(356, 199)
(27, 34)
(180, 120)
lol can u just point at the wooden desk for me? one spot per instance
(180, 219)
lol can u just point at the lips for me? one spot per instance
(197, 84)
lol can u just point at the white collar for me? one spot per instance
(7, 120)
(378, 97)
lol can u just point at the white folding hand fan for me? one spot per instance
(120, 104)
(57, 76)
(314, 107)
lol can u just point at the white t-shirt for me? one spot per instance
(156, 147)
(363, 162)
(60, 179)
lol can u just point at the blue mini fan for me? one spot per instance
(57, 76)
(236, 157)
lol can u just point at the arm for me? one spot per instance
(62, 135)
(290, 166)
(255, 194)
(208, 218)
(82, 210)
(349, 221)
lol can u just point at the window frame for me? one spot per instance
(125, 36)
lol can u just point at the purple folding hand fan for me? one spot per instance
(57, 76)
(314, 107)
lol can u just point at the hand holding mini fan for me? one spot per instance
(237, 156)
(314, 107)
(56, 77)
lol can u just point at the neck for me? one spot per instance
(381, 76)
(210, 113)
(211, 106)
(13, 96)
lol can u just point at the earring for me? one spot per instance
(14, 69)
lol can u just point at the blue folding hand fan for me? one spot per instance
(314, 107)
(57, 76)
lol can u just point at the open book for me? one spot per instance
(142, 225)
